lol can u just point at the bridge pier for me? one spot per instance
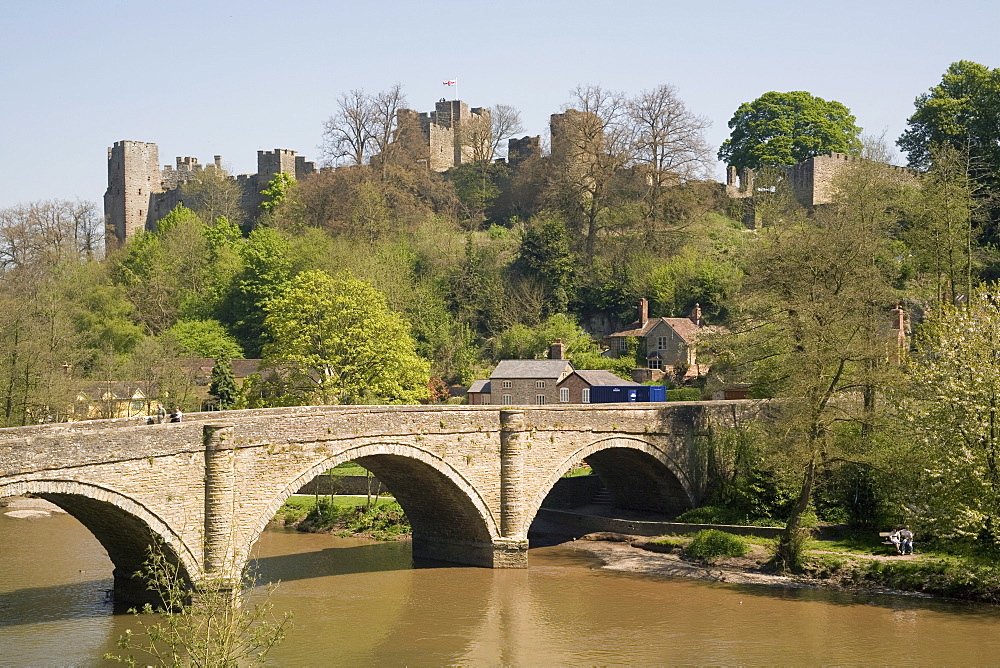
(222, 565)
(500, 553)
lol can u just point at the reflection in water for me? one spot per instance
(361, 603)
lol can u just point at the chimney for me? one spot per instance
(557, 351)
(898, 318)
(643, 312)
(218, 162)
(696, 315)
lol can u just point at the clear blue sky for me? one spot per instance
(203, 78)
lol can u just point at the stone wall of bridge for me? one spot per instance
(470, 478)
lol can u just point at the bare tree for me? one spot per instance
(49, 233)
(669, 145)
(505, 122)
(347, 135)
(212, 194)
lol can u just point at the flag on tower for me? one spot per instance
(449, 82)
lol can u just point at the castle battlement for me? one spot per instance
(140, 193)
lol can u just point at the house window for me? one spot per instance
(540, 384)
(654, 363)
(540, 399)
(585, 396)
(508, 400)
(661, 343)
(506, 385)
(564, 395)
(623, 344)
(484, 400)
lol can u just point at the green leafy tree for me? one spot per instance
(277, 191)
(545, 252)
(224, 388)
(339, 343)
(963, 111)
(204, 338)
(949, 453)
(787, 128)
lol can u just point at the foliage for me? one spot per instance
(545, 252)
(382, 521)
(684, 394)
(224, 388)
(204, 338)
(710, 545)
(522, 342)
(212, 628)
(338, 342)
(951, 444)
(277, 191)
(787, 128)
(962, 112)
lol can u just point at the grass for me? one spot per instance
(297, 507)
(578, 471)
(348, 468)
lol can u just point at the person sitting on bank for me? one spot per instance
(906, 540)
(895, 539)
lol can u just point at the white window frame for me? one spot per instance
(539, 399)
(484, 400)
(654, 363)
(564, 395)
(585, 395)
(662, 342)
(508, 400)
(623, 344)
(506, 384)
(539, 384)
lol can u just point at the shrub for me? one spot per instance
(684, 394)
(712, 544)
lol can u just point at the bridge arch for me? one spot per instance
(450, 519)
(639, 475)
(124, 527)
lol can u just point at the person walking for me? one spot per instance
(161, 413)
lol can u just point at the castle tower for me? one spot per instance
(133, 178)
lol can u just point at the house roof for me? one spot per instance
(685, 328)
(541, 369)
(480, 386)
(602, 377)
(118, 389)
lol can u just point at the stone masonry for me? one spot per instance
(140, 193)
(470, 478)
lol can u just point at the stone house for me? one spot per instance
(113, 399)
(539, 382)
(666, 344)
(575, 388)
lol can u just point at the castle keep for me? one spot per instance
(448, 133)
(140, 193)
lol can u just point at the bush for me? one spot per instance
(712, 544)
(722, 515)
(684, 394)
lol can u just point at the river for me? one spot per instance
(360, 603)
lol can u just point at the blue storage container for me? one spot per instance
(611, 394)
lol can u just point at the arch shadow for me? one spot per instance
(450, 519)
(639, 476)
(125, 528)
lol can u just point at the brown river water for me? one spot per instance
(360, 603)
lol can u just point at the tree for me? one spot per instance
(277, 191)
(204, 338)
(347, 135)
(963, 111)
(787, 128)
(213, 628)
(811, 329)
(544, 251)
(950, 445)
(213, 194)
(49, 233)
(224, 388)
(339, 342)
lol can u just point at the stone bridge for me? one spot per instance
(470, 478)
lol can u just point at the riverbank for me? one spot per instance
(909, 575)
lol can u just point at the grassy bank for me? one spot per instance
(345, 516)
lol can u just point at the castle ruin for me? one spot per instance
(140, 193)
(449, 133)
